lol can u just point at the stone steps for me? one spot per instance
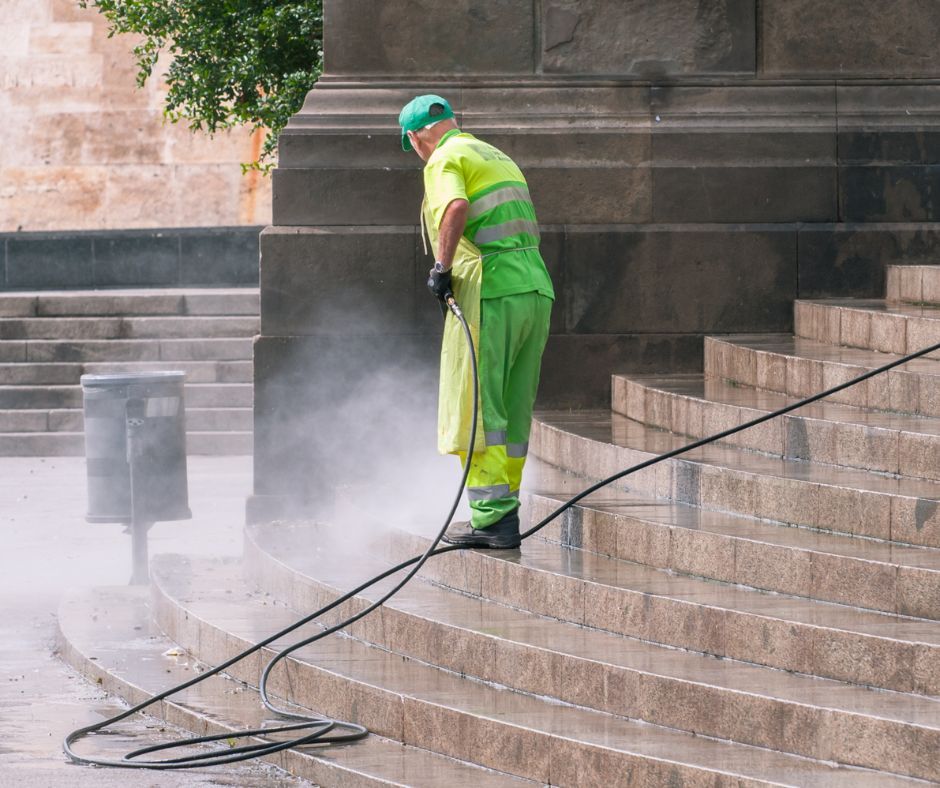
(760, 554)
(109, 636)
(49, 339)
(869, 324)
(198, 395)
(801, 367)
(71, 420)
(72, 444)
(209, 608)
(95, 328)
(110, 350)
(822, 432)
(140, 302)
(51, 373)
(609, 596)
(913, 284)
(724, 478)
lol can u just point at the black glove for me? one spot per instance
(439, 281)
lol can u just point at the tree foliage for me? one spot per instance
(233, 62)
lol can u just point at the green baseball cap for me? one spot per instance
(422, 111)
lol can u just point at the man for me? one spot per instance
(485, 238)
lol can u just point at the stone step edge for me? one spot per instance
(642, 400)
(802, 376)
(889, 517)
(348, 694)
(676, 623)
(304, 763)
(858, 326)
(865, 583)
(904, 284)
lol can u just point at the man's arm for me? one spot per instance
(452, 227)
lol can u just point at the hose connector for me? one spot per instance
(452, 304)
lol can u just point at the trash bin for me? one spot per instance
(139, 414)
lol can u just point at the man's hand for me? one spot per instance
(439, 281)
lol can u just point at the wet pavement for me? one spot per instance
(48, 547)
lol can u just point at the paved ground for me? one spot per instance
(45, 547)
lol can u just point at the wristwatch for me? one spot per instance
(439, 267)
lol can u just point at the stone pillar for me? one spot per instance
(696, 165)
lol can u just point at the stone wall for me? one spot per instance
(84, 148)
(696, 164)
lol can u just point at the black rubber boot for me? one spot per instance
(501, 535)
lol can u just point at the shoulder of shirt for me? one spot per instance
(451, 148)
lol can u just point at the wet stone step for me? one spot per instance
(841, 500)
(803, 367)
(823, 432)
(77, 328)
(108, 635)
(198, 395)
(869, 324)
(738, 549)
(111, 350)
(72, 420)
(72, 444)
(511, 731)
(611, 596)
(914, 284)
(170, 301)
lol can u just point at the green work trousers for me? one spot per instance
(513, 332)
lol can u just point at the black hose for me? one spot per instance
(319, 728)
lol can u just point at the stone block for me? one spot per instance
(889, 146)
(576, 369)
(50, 193)
(850, 259)
(43, 261)
(744, 194)
(347, 196)
(679, 280)
(838, 38)
(648, 40)
(136, 259)
(363, 37)
(339, 281)
(889, 193)
(225, 256)
(591, 195)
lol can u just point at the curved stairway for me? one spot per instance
(761, 612)
(48, 340)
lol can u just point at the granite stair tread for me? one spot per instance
(69, 373)
(913, 283)
(608, 427)
(717, 391)
(727, 478)
(66, 443)
(565, 734)
(801, 347)
(126, 327)
(108, 635)
(869, 324)
(824, 431)
(736, 548)
(605, 585)
(124, 301)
